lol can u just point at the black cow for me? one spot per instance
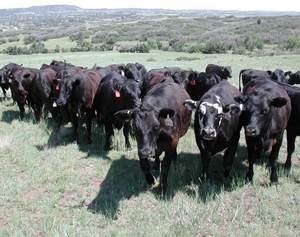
(217, 124)
(7, 75)
(77, 92)
(115, 93)
(224, 72)
(3, 82)
(159, 123)
(293, 128)
(248, 74)
(135, 71)
(199, 83)
(267, 109)
(293, 78)
(155, 76)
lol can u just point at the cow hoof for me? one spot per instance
(150, 179)
(249, 178)
(226, 173)
(108, 148)
(274, 179)
(287, 166)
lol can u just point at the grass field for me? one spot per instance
(52, 187)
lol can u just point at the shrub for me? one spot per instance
(29, 39)
(3, 41)
(214, 47)
(239, 50)
(253, 42)
(292, 43)
(13, 39)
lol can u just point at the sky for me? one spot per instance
(265, 5)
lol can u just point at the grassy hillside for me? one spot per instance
(52, 187)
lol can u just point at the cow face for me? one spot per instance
(131, 92)
(150, 127)
(293, 78)
(67, 86)
(258, 112)
(132, 72)
(210, 114)
(279, 75)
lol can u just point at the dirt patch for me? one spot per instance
(4, 142)
(35, 193)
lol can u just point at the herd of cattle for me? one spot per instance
(158, 104)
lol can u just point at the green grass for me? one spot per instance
(51, 187)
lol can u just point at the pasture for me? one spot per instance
(52, 187)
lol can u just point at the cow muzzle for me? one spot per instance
(209, 133)
(251, 131)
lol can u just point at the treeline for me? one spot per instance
(107, 41)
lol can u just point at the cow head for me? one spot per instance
(226, 72)
(279, 75)
(150, 127)
(132, 72)
(293, 78)
(258, 111)
(210, 113)
(3, 79)
(69, 83)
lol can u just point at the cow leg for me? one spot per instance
(4, 91)
(291, 137)
(109, 132)
(205, 158)
(165, 167)
(74, 121)
(37, 111)
(273, 157)
(252, 149)
(145, 166)
(22, 110)
(229, 154)
(126, 129)
(89, 125)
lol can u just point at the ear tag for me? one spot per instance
(117, 94)
(54, 104)
(57, 87)
(193, 82)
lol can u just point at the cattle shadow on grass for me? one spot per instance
(9, 116)
(186, 177)
(123, 181)
(64, 135)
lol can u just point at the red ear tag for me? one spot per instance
(117, 94)
(57, 87)
(193, 82)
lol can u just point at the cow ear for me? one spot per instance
(278, 102)
(269, 72)
(190, 104)
(241, 99)
(76, 82)
(125, 115)
(288, 73)
(229, 71)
